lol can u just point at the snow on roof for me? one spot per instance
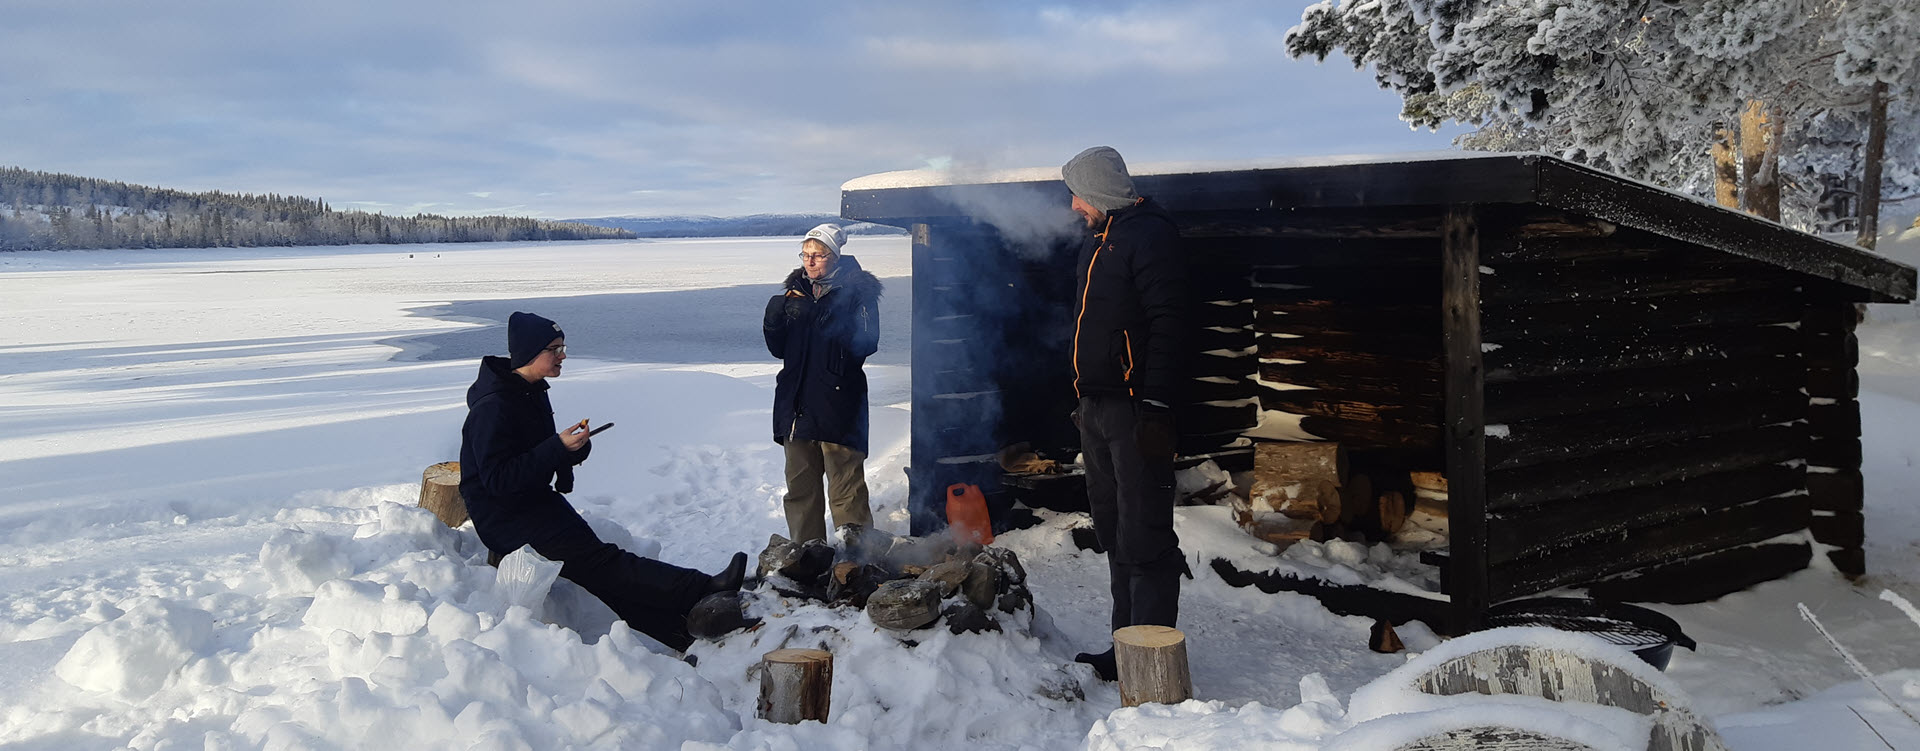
(927, 178)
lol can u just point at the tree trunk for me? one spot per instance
(1152, 663)
(796, 685)
(1760, 194)
(1875, 157)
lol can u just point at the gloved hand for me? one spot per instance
(1154, 431)
(776, 314)
(796, 305)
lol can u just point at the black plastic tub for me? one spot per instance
(1650, 635)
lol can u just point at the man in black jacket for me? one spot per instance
(823, 325)
(514, 467)
(1127, 321)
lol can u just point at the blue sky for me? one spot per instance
(577, 109)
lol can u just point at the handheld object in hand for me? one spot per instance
(596, 431)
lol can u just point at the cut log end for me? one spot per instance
(1393, 512)
(796, 685)
(1152, 665)
(440, 493)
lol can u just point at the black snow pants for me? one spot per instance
(653, 597)
(1131, 498)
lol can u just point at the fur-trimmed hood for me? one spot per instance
(847, 275)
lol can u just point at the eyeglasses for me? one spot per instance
(558, 349)
(814, 256)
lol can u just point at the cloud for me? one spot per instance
(610, 108)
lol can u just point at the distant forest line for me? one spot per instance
(51, 211)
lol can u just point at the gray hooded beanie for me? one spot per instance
(1099, 177)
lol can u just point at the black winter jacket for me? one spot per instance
(1129, 307)
(513, 466)
(821, 393)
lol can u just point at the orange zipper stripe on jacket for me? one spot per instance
(1128, 376)
(1102, 236)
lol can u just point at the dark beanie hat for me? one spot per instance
(1099, 177)
(527, 334)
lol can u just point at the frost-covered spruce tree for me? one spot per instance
(1877, 42)
(1643, 88)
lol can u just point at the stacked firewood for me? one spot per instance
(903, 583)
(1306, 491)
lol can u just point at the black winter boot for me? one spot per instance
(1102, 663)
(729, 580)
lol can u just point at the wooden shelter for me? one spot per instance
(1626, 388)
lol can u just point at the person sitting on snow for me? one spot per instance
(514, 467)
(824, 325)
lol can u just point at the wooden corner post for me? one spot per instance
(921, 495)
(1466, 438)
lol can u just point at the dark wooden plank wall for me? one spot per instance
(1643, 407)
(1833, 421)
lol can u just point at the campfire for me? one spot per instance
(903, 583)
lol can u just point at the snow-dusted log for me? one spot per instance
(1566, 675)
(1577, 436)
(1520, 286)
(1489, 738)
(1578, 317)
(796, 685)
(1741, 525)
(1833, 383)
(1526, 486)
(1538, 530)
(1625, 350)
(1280, 529)
(1541, 398)
(440, 493)
(1152, 664)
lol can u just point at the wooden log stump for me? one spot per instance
(1152, 664)
(796, 685)
(440, 493)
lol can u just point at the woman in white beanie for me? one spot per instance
(823, 325)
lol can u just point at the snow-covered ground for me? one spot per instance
(209, 461)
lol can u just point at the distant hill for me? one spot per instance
(755, 225)
(52, 211)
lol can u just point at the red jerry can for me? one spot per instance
(967, 514)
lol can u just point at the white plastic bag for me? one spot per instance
(524, 578)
